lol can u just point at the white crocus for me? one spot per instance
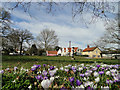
(14, 81)
(96, 74)
(80, 68)
(81, 86)
(84, 78)
(108, 73)
(57, 77)
(30, 87)
(7, 68)
(97, 79)
(52, 79)
(106, 87)
(61, 68)
(45, 83)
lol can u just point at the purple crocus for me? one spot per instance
(15, 68)
(63, 88)
(36, 66)
(71, 79)
(107, 81)
(2, 71)
(44, 65)
(39, 77)
(102, 68)
(78, 83)
(82, 75)
(73, 68)
(74, 71)
(101, 72)
(39, 66)
(33, 69)
(45, 78)
(98, 66)
(89, 88)
(94, 69)
(51, 67)
(111, 81)
(44, 73)
(66, 70)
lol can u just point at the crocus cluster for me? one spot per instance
(89, 76)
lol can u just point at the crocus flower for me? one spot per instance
(39, 66)
(52, 79)
(102, 68)
(39, 77)
(87, 74)
(101, 72)
(51, 67)
(45, 78)
(7, 69)
(108, 72)
(33, 69)
(2, 71)
(74, 71)
(97, 79)
(52, 72)
(81, 86)
(78, 83)
(95, 74)
(61, 68)
(107, 81)
(111, 81)
(45, 83)
(15, 68)
(44, 73)
(71, 79)
(44, 65)
(94, 69)
(82, 75)
(89, 88)
(30, 87)
(73, 68)
(98, 66)
(80, 69)
(66, 70)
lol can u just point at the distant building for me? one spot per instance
(93, 52)
(51, 53)
(68, 51)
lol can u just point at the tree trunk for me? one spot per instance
(20, 48)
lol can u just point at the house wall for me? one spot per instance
(93, 54)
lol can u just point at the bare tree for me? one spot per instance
(24, 36)
(4, 22)
(47, 39)
(97, 9)
(111, 38)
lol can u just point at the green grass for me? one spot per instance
(28, 61)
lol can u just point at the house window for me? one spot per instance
(94, 55)
(96, 52)
(98, 55)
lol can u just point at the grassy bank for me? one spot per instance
(28, 61)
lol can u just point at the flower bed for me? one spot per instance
(76, 76)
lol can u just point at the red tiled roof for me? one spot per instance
(69, 49)
(75, 48)
(89, 49)
(64, 49)
(52, 52)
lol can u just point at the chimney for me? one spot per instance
(88, 46)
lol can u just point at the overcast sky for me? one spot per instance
(61, 21)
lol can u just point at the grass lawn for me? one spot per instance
(28, 61)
